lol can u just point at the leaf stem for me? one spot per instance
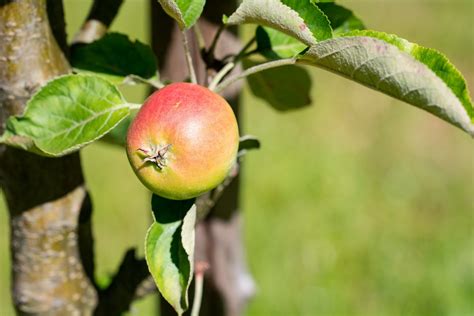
(252, 70)
(242, 52)
(201, 268)
(221, 74)
(155, 83)
(212, 48)
(189, 60)
(134, 106)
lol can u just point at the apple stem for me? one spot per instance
(189, 60)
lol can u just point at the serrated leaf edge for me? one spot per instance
(37, 149)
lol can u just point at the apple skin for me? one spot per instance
(201, 129)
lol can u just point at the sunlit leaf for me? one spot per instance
(169, 249)
(274, 44)
(342, 19)
(66, 114)
(419, 76)
(300, 19)
(114, 57)
(185, 12)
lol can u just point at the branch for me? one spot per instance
(101, 15)
(243, 51)
(117, 298)
(57, 22)
(253, 70)
(207, 201)
(209, 55)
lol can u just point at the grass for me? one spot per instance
(358, 205)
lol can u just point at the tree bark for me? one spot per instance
(45, 196)
(228, 285)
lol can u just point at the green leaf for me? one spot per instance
(342, 19)
(169, 249)
(300, 19)
(284, 88)
(313, 17)
(185, 12)
(419, 76)
(274, 44)
(66, 114)
(114, 57)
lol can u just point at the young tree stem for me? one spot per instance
(201, 268)
(252, 70)
(189, 60)
(244, 49)
(221, 74)
(212, 48)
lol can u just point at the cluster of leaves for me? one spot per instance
(72, 111)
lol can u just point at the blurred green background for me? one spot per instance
(358, 205)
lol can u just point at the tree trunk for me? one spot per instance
(228, 286)
(47, 201)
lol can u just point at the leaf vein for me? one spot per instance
(89, 119)
(366, 62)
(416, 89)
(337, 51)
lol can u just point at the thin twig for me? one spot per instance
(201, 268)
(243, 51)
(253, 70)
(212, 48)
(220, 75)
(155, 83)
(189, 60)
(208, 200)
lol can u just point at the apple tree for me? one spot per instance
(57, 98)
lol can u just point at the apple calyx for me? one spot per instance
(156, 155)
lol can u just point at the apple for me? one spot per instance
(183, 141)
